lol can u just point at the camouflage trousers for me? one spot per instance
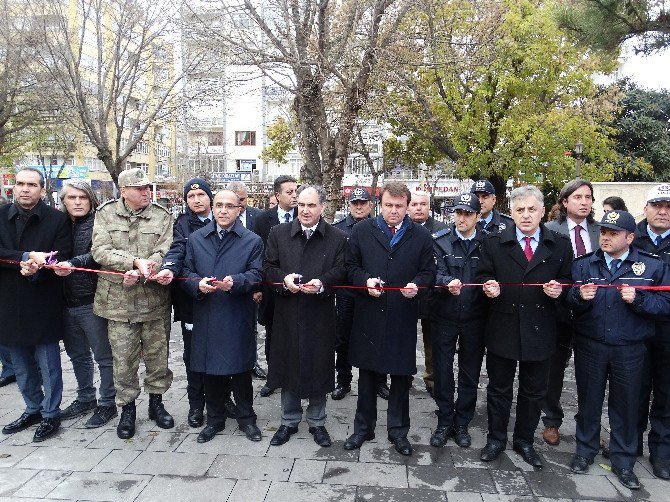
(129, 342)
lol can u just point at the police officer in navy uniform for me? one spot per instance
(653, 235)
(458, 314)
(491, 220)
(611, 326)
(360, 207)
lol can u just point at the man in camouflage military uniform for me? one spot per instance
(132, 235)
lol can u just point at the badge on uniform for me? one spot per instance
(612, 218)
(502, 226)
(638, 268)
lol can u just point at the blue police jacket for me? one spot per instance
(454, 262)
(609, 319)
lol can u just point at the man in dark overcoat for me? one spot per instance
(284, 212)
(29, 231)
(521, 327)
(223, 268)
(393, 250)
(303, 258)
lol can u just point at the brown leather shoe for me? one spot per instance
(551, 436)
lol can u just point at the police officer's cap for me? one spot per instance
(618, 220)
(133, 178)
(659, 193)
(467, 202)
(359, 193)
(484, 186)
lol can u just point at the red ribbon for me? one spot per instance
(384, 288)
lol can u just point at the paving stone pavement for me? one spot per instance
(157, 464)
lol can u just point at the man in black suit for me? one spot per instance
(247, 216)
(521, 326)
(575, 219)
(285, 189)
(419, 212)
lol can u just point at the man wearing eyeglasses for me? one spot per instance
(223, 269)
(131, 235)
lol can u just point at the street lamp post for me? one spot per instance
(579, 148)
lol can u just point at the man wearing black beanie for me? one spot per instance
(198, 197)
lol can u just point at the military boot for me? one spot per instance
(126, 427)
(158, 413)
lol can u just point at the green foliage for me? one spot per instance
(642, 134)
(505, 95)
(282, 136)
(606, 24)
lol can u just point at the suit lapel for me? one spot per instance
(541, 253)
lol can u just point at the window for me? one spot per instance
(245, 166)
(215, 138)
(245, 138)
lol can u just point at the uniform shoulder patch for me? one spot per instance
(162, 207)
(441, 233)
(106, 203)
(647, 253)
(587, 255)
(339, 221)
(506, 217)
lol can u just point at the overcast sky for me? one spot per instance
(652, 72)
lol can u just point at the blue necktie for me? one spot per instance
(614, 265)
(658, 240)
(287, 217)
(222, 234)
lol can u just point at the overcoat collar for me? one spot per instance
(296, 227)
(38, 210)
(543, 251)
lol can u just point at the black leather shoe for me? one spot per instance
(462, 437)
(158, 413)
(402, 445)
(77, 409)
(252, 432)
(355, 441)
(259, 372)
(440, 436)
(101, 416)
(580, 465)
(7, 380)
(282, 435)
(126, 427)
(208, 433)
(23, 422)
(195, 417)
(47, 428)
(529, 454)
(661, 468)
(231, 408)
(491, 451)
(321, 436)
(383, 391)
(266, 391)
(627, 478)
(340, 391)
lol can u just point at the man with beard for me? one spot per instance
(29, 231)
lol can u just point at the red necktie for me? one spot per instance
(528, 251)
(579, 242)
(392, 229)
